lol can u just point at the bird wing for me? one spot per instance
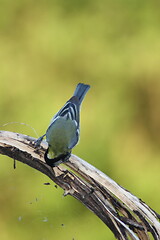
(69, 111)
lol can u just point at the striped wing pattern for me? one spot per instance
(69, 111)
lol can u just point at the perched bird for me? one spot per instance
(63, 132)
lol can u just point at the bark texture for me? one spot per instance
(127, 216)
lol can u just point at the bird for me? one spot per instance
(64, 130)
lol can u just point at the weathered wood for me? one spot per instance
(126, 215)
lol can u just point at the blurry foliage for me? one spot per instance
(46, 48)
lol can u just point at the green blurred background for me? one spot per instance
(46, 48)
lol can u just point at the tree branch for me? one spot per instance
(126, 215)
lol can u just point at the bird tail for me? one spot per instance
(81, 91)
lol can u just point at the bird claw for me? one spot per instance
(39, 140)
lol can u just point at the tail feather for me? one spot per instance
(81, 91)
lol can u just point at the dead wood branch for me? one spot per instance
(126, 215)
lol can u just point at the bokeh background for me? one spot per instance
(46, 48)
